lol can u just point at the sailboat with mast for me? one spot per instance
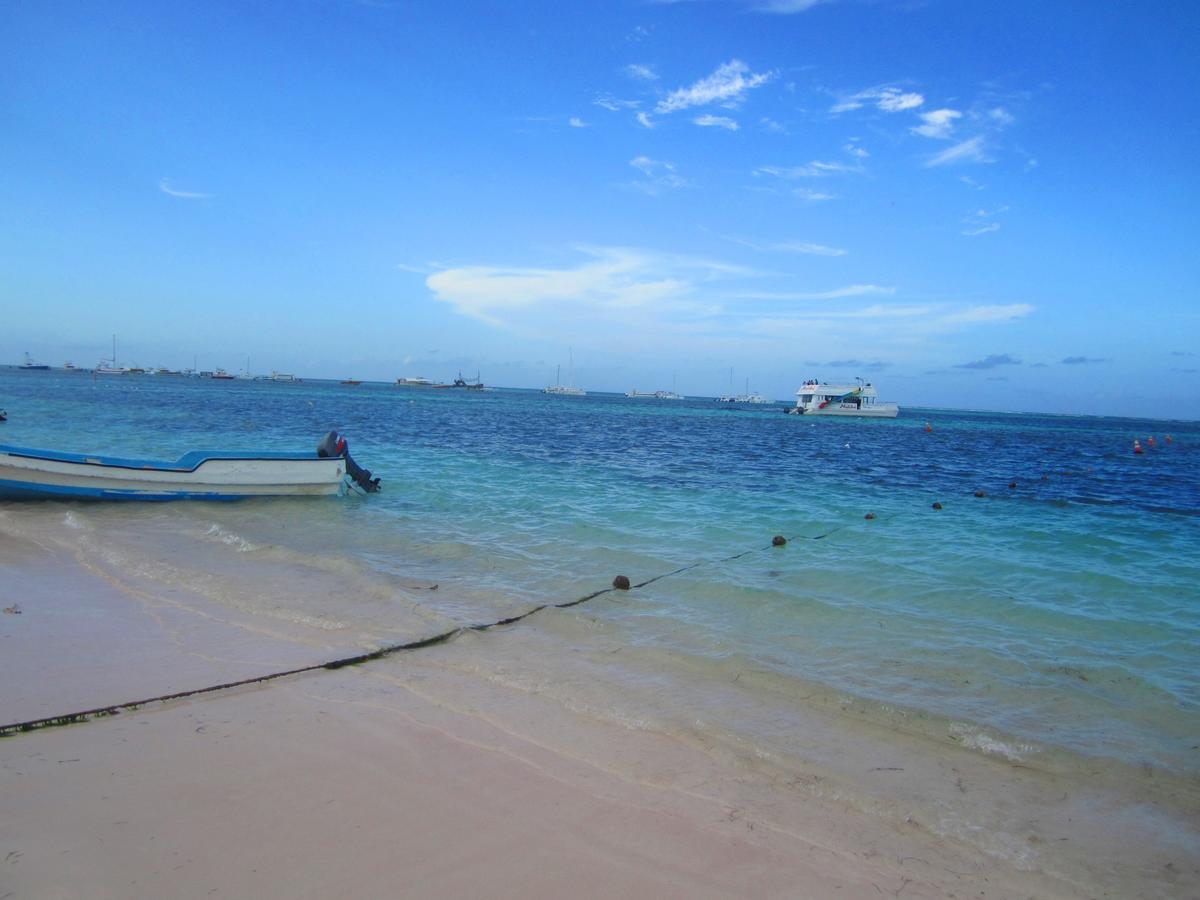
(568, 389)
(109, 366)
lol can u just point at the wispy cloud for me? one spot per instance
(886, 98)
(164, 185)
(807, 248)
(726, 86)
(814, 169)
(1083, 360)
(659, 175)
(969, 151)
(811, 195)
(710, 121)
(640, 72)
(577, 122)
(937, 123)
(644, 120)
(614, 104)
(771, 126)
(614, 284)
(990, 362)
(1001, 116)
(980, 221)
(850, 290)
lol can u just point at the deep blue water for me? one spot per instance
(1060, 607)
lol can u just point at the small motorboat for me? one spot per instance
(27, 474)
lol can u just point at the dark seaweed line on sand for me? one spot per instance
(117, 708)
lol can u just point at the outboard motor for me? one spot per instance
(335, 445)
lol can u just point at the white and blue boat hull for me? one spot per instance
(27, 474)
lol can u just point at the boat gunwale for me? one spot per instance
(189, 462)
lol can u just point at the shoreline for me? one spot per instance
(449, 763)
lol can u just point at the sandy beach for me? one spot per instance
(441, 773)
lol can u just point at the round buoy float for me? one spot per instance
(1150, 441)
(621, 583)
(1012, 485)
(928, 428)
(979, 493)
(778, 541)
(869, 516)
(936, 505)
(1137, 447)
(1168, 439)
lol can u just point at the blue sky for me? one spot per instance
(973, 204)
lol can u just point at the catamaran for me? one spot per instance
(819, 398)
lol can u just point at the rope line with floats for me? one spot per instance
(619, 583)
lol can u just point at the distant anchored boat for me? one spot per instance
(27, 474)
(568, 389)
(823, 399)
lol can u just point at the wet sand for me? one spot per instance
(426, 775)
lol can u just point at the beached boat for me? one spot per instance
(27, 474)
(823, 399)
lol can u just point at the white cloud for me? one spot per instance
(613, 104)
(811, 195)
(1001, 116)
(164, 185)
(727, 86)
(660, 175)
(979, 222)
(814, 169)
(617, 284)
(644, 120)
(887, 99)
(711, 121)
(807, 248)
(894, 101)
(577, 122)
(851, 290)
(969, 151)
(856, 151)
(640, 72)
(770, 125)
(938, 123)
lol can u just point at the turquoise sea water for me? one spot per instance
(1059, 610)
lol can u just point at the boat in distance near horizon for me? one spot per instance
(816, 398)
(28, 474)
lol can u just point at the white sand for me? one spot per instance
(424, 775)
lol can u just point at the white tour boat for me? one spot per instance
(819, 398)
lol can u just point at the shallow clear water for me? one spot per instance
(1064, 610)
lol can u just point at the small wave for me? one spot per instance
(230, 538)
(71, 521)
(974, 738)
